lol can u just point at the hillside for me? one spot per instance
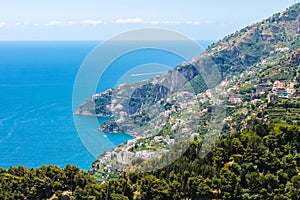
(238, 132)
(266, 41)
(233, 54)
(173, 107)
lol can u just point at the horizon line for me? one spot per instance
(74, 40)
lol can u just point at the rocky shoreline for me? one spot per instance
(110, 127)
(87, 113)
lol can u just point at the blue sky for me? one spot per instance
(98, 19)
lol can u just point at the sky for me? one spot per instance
(101, 20)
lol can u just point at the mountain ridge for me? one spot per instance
(251, 46)
(232, 54)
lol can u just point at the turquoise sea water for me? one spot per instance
(36, 83)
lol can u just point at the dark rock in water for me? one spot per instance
(110, 127)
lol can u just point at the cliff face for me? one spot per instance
(222, 60)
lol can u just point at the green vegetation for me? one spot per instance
(110, 126)
(246, 89)
(100, 103)
(283, 111)
(261, 162)
(46, 182)
(197, 85)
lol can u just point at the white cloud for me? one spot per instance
(118, 21)
(53, 23)
(129, 21)
(193, 22)
(165, 22)
(92, 22)
(2, 24)
(63, 23)
(22, 24)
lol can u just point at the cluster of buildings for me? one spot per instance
(166, 139)
(124, 155)
(283, 88)
(146, 154)
(236, 99)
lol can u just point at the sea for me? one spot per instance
(36, 86)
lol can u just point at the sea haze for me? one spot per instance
(36, 118)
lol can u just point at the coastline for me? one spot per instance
(86, 113)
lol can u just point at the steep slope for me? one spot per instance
(231, 55)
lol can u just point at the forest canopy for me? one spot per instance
(260, 162)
